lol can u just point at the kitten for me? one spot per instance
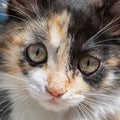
(60, 60)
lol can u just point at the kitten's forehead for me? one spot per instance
(58, 26)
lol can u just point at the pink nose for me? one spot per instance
(55, 93)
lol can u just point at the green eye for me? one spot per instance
(36, 54)
(88, 65)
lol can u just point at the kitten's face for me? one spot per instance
(63, 59)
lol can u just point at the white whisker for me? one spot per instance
(100, 32)
(80, 108)
(93, 105)
(2, 74)
(19, 9)
(102, 45)
(19, 104)
(97, 43)
(14, 17)
(6, 107)
(90, 114)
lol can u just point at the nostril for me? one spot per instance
(55, 93)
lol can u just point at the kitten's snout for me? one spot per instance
(57, 84)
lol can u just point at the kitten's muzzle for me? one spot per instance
(57, 84)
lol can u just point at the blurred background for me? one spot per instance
(3, 11)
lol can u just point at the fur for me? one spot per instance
(57, 88)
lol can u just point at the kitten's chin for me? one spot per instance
(54, 105)
(59, 104)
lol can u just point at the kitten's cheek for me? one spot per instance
(37, 92)
(37, 85)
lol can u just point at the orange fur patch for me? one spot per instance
(17, 40)
(112, 62)
(59, 83)
(58, 27)
(114, 117)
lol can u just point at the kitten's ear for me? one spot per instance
(28, 8)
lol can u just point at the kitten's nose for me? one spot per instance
(57, 83)
(55, 92)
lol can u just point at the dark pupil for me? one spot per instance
(38, 51)
(88, 63)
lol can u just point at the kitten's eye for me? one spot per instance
(88, 65)
(36, 54)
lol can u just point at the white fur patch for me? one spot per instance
(37, 84)
(55, 36)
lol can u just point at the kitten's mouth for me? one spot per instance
(52, 101)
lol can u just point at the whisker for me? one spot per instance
(24, 9)
(93, 105)
(97, 43)
(7, 98)
(100, 32)
(101, 95)
(25, 104)
(6, 107)
(102, 45)
(73, 112)
(4, 100)
(12, 76)
(13, 17)
(80, 108)
(90, 113)
(23, 87)
(19, 9)
(35, 6)
(76, 112)
(21, 101)
(94, 102)
(11, 30)
(85, 109)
